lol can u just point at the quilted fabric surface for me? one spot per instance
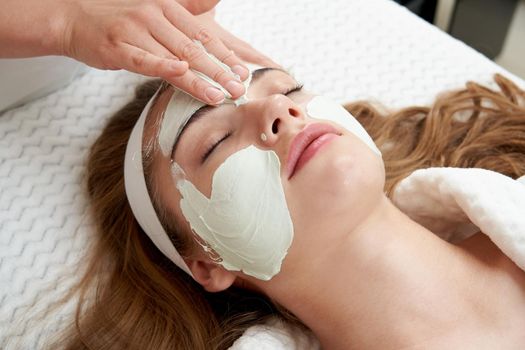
(442, 199)
(347, 49)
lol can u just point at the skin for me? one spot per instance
(149, 37)
(359, 272)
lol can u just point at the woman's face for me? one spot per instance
(329, 187)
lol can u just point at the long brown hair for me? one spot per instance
(475, 127)
(132, 297)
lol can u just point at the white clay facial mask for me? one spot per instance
(182, 106)
(246, 221)
(179, 110)
(321, 107)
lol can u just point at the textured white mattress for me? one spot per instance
(347, 49)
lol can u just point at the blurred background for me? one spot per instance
(496, 28)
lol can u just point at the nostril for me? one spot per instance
(275, 126)
(293, 112)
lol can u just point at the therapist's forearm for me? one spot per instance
(31, 27)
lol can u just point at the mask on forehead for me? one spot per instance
(246, 221)
(182, 106)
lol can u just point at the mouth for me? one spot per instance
(306, 144)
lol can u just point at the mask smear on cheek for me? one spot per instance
(246, 221)
(321, 107)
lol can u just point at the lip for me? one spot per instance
(306, 144)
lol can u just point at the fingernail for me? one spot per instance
(240, 71)
(214, 95)
(235, 88)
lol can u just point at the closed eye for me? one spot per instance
(214, 145)
(296, 88)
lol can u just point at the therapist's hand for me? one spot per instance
(152, 37)
(241, 48)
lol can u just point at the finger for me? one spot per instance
(257, 58)
(143, 62)
(198, 60)
(198, 88)
(198, 7)
(244, 50)
(192, 28)
(215, 46)
(250, 54)
(150, 44)
(180, 45)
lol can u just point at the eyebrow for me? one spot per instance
(204, 110)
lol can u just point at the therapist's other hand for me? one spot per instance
(155, 38)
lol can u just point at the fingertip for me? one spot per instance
(261, 60)
(235, 88)
(241, 71)
(265, 61)
(272, 64)
(213, 95)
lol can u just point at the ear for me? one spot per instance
(212, 276)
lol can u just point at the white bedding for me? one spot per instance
(347, 49)
(454, 203)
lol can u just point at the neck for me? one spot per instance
(391, 284)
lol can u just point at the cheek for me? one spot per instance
(340, 185)
(245, 220)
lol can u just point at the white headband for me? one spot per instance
(134, 181)
(135, 184)
(138, 196)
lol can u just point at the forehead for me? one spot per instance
(157, 166)
(263, 83)
(153, 122)
(261, 78)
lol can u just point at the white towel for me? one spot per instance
(454, 203)
(275, 336)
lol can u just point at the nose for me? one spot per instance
(278, 116)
